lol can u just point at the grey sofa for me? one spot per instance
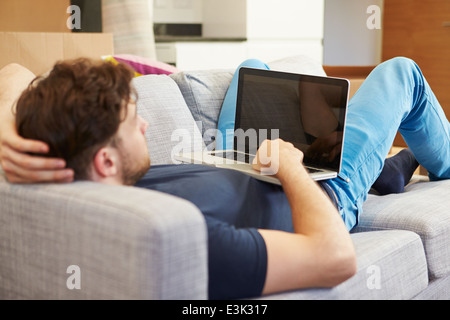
(130, 243)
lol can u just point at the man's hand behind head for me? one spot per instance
(22, 163)
(15, 151)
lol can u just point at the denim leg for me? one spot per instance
(228, 111)
(394, 97)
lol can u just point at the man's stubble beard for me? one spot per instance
(134, 169)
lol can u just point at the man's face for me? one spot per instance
(132, 146)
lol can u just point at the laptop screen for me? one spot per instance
(308, 111)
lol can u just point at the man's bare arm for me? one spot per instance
(20, 167)
(320, 252)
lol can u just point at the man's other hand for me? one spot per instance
(278, 158)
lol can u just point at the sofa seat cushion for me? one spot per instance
(172, 128)
(424, 209)
(438, 289)
(391, 265)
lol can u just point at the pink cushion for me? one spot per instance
(143, 65)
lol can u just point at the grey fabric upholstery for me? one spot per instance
(395, 257)
(298, 64)
(204, 92)
(129, 243)
(438, 289)
(172, 128)
(424, 209)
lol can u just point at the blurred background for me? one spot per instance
(349, 37)
(181, 31)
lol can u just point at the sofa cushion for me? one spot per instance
(298, 64)
(424, 209)
(204, 92)
(438, 289)
(142, 65)
(172, 128)
(391, 265)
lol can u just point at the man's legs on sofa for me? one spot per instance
(397, 172)
(394, 97)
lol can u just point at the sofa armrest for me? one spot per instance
(128, 243)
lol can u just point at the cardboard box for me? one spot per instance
(34, 15)
(38, 51)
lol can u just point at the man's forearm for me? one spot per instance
(314, 216)
(312, 210)
(13, 80)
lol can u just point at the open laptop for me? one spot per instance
(308, 111)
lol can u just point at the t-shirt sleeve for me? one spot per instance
(237, 261)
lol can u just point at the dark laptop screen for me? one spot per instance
(308, 111)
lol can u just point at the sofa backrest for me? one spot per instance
(204, 92)
(171, 125)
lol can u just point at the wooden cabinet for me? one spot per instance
(36, 16)
(420, 30)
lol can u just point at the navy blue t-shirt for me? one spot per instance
(234, 206)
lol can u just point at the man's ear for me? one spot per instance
(106, 162)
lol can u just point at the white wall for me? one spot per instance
(285, 19)
(274, 29)
(252, 19)
(225, 18)
(178, 11)
(347, 39)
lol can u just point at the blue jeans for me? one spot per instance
(395, 96)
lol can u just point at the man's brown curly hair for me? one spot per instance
(76, 110)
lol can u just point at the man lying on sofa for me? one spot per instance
(264, 240)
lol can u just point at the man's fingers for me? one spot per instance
(17, 179)
(17, 174)
(267, 159)
(21, 167)
(32, 162)
(25, 145)
(255, 163)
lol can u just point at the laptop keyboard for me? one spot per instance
(312, 170)
(247, 158)
(233, 155)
